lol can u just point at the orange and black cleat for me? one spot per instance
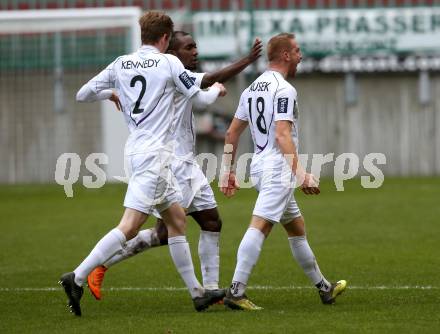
(94, 281)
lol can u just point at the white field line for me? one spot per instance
(255, 287)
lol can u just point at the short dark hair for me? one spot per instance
(174, 42)
(279, 43)
(154, 25)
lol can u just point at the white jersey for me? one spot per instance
(146, 81)
(268, 99)
(183, 125)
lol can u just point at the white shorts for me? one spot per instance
(150, 184)
(193, 187)
(275, 201)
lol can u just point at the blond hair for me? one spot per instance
(279, 44)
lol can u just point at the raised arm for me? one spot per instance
(228, 72)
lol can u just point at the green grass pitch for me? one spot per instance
(384, 242)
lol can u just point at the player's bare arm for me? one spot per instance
(284, 140)
(228, 72)
(228, 182)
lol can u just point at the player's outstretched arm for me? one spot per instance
(228, 181)
(228, 72)
(283, 137)
(202, 99)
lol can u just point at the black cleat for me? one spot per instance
(73, 292)
(336, 289)
(209, 298)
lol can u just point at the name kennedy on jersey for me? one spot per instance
(262, 86)
(129, 64)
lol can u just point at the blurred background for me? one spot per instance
(369, 80)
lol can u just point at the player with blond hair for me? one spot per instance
(270, 107)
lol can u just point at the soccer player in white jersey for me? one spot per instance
(146, 81)
(270, 107)
(197, 195)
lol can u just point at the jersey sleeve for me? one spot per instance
(284, 104)
(196, 77)
(181, 78)
(241, 113)
(104, 80)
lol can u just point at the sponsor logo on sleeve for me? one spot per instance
(282, 105)
(186, 80)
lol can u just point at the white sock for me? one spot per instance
(181, 255)
(247, 256)
(108, 246)
(144, 240)
(237, 289)
(209, 258)
(303, 254)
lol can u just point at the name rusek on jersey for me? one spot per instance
(261, 86)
